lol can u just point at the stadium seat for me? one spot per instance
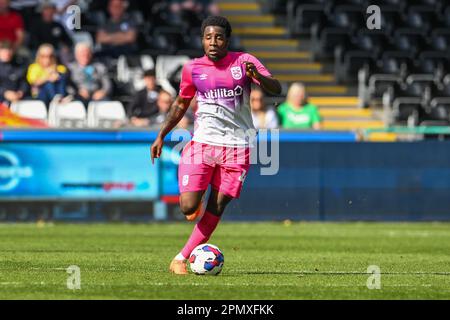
(67, 115)
(406, 43)
(444, 21)
(406, 112)
(438, 111)
(130, 70)
(193, 46)
(423, 70)
(388, 5)
(303, 16)
(155, 44)
(32, 109)
(278, 6)
(391, 17)
(174, 36)
(348, 63)
(335, 30)
(374, 80)
(403, 103)
(440, 96)
(440, 40)
(324, 43)
(105, 114)
(363, 49)
(440, 61)
(421, 17)
(167, 66)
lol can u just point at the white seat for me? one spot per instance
(165, 66)
(105, 113)
(127, 73)
(69, 115)
(33, 109)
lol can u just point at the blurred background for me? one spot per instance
(363, 116)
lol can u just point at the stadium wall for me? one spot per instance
(326, 176)
(332, 181)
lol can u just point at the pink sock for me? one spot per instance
(201, 233)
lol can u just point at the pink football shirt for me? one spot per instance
(223, 116)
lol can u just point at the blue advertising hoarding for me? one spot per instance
(77, 171)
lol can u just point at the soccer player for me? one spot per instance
(221, 81)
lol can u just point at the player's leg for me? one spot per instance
(190, 202)
(226, 182)
(203, 230)
(194, 177)
(217, 202)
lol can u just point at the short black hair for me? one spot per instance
(217, 21)
(149, 73)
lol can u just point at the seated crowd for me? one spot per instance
(61, 70)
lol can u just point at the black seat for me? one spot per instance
(397, 5)
(421, 17)
(406, 102)
(174, 36)
(408, 41)
(349, 59)
(444, 21)
(375, 80)
(331, 32)
(333, 6)
(305, 16)
(391, 18)
(432, 4)
(440, 94)
(438, 112)
(427, 69)
(440, 40)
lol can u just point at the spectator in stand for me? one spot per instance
(296, 112)
(47, 78)
(118, 36)
(11, 26)
(263, 117)
(13, 84)
(209, 7)
(163, 103)
(27, 9)
(206, 7)
(185, 11)
(144, 105)
(47, 30)
(89, 79)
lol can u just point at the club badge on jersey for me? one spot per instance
(236, 73)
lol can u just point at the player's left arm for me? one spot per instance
(268, 84)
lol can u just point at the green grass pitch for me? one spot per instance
(262, 261)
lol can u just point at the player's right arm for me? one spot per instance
(176, 113)
(177, 110)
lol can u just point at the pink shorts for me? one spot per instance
(225, 168)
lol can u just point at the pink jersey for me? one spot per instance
(222, 88)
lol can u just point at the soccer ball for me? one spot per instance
(206, 259)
